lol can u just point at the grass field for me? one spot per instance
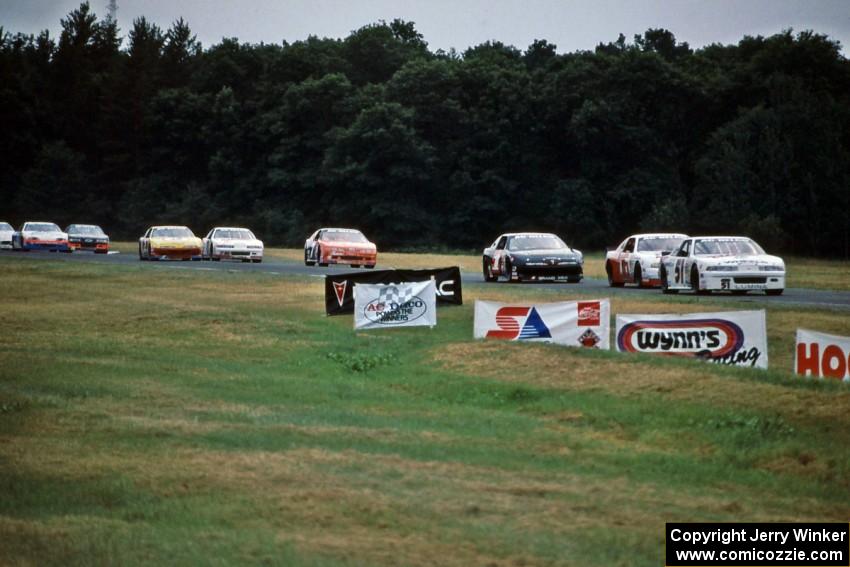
(188, 417)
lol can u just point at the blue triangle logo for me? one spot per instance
(534, 327)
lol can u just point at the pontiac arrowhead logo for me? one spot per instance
(339, 289)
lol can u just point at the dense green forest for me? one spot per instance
(423, 148)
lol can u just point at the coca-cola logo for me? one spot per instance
(589, 313)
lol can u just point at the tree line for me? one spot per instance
(427, 149)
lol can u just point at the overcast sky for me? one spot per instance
(570, 24)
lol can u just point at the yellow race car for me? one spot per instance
(169, 243)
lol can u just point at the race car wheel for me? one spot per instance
(307, 260)
(638, 276)
(256, 260)
(610, 271)
(774, 291)
(665, 288)
(695, 282)
(370, 266)
(487, 270)
(507, 271)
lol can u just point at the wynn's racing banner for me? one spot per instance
(339, 297)
(822, 355)
(571, 323)
(412, 304)
(733, 337)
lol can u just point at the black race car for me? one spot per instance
(87, 237)
(532, 256)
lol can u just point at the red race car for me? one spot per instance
(340, 246)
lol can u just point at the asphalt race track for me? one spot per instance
(792, 296)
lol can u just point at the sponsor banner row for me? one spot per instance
(736, 338)
(339, 288)
(379, 306)
(822, 355)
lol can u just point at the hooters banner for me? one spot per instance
(412, 304)
(571, 323)
(736, 338)
(822, 355)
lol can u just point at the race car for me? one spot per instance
(340, 246)
(40, 236)
(233, 244)
(532, 256)
(6, 232)
(169, 243)
(637, 259)
(87, 237)
(722, 263)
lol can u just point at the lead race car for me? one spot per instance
(169, 243)
(638, 258)
(722, 263)
(225, 243)
(532, 256)
(40, 236)
(340, 246)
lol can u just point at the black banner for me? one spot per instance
(802, 544)
(339, 288)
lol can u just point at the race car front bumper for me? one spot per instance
(237, 254)
(102, 247)
(650, 277)
(52, 245)
(559, 271)
(175, 253)
(349, 257)
(742, 281)
(5, 244)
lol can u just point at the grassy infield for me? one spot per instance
(156, 415)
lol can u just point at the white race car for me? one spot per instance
(722, 263)
(232, 244)
(6, 232)
(40, 236)
(638, 258)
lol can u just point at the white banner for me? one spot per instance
(571, 323)
(822, 355)
(411, 304)
(737, 338)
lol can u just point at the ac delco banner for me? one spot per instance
(339, 298)
(379, 306)
(736, 338)
(822, 355)
(571, 323)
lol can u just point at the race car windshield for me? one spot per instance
(5, 226)
(43, 227)
(235, 234)
(339, 236)
(726, 247)
(658, 244)
(172, 233)
(548, 242)
(87, 230)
